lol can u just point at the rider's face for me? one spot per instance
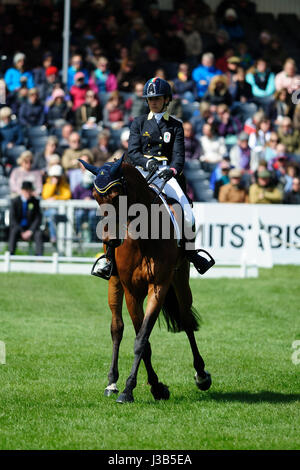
(156, 103)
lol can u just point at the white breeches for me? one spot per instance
(173, 190)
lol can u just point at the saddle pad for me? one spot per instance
(174, 221)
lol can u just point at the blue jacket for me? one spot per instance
(11, 133)
(260, 92)
(32, 114)
(71, 74)
(204, 74)
(12, 79)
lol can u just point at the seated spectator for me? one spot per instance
(59, 110)
(228, 126)
(40, 72)
(75, 176)
(84, 191)
(241, 91)
(24, 172)
(137, 105)
(89, 109)
(32, 111)
(220, 176)
(11, 133)
(275, 54)
(47, 87)
(213, 147)
(192, 145)
(217, 92)
(76, 67)
(175, 106)
(289, 136)
(63, 142)
(264, 191)
(124, 138)
(79, 90)
(126, 76)
(17, 76)
(234, 191)
(252, 124)
(262, 81)
(25, 219)
(258, 139)
(280, 151)
(114, 113)
(102, 80)
(284, 181)
(293, 196)
(220, 44)
(204, 116)
(280, 106)
(269, 150)
(296, 117)
(241, 155)
(101, 152)
(41, 159)
(184, 86)
(232, 25)
(56, 188)
(192, 41)
(203, 74)
(71, 154)
(288, 77)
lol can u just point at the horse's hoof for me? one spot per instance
(160, 391)
(109, 393)
(203, 383)
(125, 398)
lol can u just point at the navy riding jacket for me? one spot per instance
(163, 140)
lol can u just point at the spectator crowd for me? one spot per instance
(235, 84)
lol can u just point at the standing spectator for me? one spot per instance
(293, 196)
(101, 152)
(89, 109)
(41, 159)
(17, 76)
(71, 154)
(10, 131)
(75, 67)
(288, 77)
(262, 81)
(289, 136)
(184, 86)
(32, 111)
(56, 188)
(192, 41)
(25, 173)
(79, 90)
(203, 74)
(102, 80)
(25, 219)
(234, 191)
(264, 191)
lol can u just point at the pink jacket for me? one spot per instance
(290, 83)
(111, 83)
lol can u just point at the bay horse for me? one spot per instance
(155, 268)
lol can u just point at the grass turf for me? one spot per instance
(57, 335)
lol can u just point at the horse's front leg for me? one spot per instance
(141, 344)
(115, 301)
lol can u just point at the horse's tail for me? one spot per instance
(176, 319)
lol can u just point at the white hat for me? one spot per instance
(230, 12)
(55, 170)
(125, 135)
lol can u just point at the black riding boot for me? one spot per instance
(201, 264)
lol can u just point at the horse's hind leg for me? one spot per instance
(115, 300)
(202, 377)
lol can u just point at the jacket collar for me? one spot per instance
(165, 116)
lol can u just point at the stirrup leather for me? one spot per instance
(104, 275)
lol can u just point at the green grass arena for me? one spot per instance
(58, 349)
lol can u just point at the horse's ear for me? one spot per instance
(93, 169)
(116, 167)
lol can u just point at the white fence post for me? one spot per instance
(55, 263)
(7, 262)
(69, 230)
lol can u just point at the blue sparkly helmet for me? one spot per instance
(107, 176)
(157, 87)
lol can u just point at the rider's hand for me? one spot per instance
(152, 165)
(167, 174)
